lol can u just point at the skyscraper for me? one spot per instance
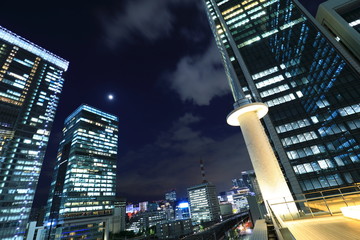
(275, 53)
(85, 171)
(204, 204)
(342, 19)
(31, 79)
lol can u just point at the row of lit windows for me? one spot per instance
(313, 166)
(308, 136)
(20, 191)
(82, 209)
(237, 12)
(354, 23)
(294, 125)
(230, 9)
(106, 150)
(222, 2)
(80, 184)
(265, 73)
(97, 136)
(88, 189)
(248, 42)
(14, 215)
(90, 180)
(26, 168)
(26, 173)
(305, 152)
(269, 81)
(251, 5)
(292, 23)
(281, 100)
(87, 203)
(274, 90)
(90, 143)
(235, 20)
(97, 178)
(349, 110)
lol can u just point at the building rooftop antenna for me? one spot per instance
(202, 168)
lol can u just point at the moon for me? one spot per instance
(110, 97)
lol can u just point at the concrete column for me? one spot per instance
(273, 186)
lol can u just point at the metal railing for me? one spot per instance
(327, 203)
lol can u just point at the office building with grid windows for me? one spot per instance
(31, 79)
(85, 172)
(275, 53)
(204, 204)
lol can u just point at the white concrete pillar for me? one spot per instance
(273, 186)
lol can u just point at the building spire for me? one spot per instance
(202, 168)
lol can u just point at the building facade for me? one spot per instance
(84, 183)
(31, 79)
(341, 18)
(170, 196)
(174, 229)
(274, 52)
(204, 204)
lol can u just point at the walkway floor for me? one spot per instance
(325, 228)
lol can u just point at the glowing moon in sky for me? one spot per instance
(110, 97)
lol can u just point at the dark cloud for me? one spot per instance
(172, 161)
(200, 78)
(150, 19)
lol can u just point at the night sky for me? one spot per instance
(159, 60)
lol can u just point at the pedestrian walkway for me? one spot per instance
(329, 228)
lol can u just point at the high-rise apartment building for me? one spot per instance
(31, 79)
(342, 19)
(85, 171)
(275, 53)
(204, 204)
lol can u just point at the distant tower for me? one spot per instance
(84, 182)
(204, 204)
(202, 169)
(31, 80)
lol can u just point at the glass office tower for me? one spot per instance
(85, 171)
(31, 80)
(313, 93)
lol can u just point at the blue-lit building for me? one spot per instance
(274, 52)
(31, 79)
(84, 183)
(182, 211)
